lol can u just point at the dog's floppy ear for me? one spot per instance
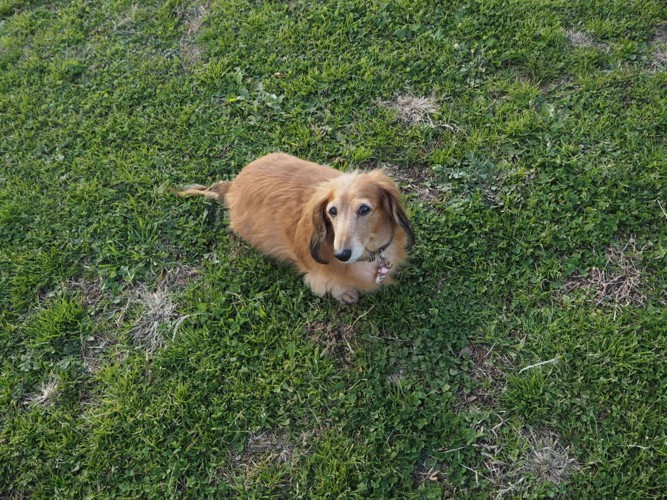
(321, 229)
(391, 200)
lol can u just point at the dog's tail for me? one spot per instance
(215, 192)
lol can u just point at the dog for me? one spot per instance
(346, 232)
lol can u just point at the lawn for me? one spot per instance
(147, 352)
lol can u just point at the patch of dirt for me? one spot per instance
(93, 349)
(581, 39)
(659, 47)
(268, 446)
(562, 82)
(659, 57)
(413, 110)
(193, 18)
(488, 373)
(90, 290)
(94, 346)
(660, 34)
(334, 338)
(618, 284)
(180, 276)
(264, 449)
(157, 318)
(418, 181)
(516, 461)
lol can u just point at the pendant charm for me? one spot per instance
(383, 267)
(382, 272)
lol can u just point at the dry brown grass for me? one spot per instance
(157, 317)
(581, 39)
(46, 395)
(193, 18)
(158, 320)
(618, 283)
(335, 339)
(418, 181)
(180, 276)
(660, 57)
(488, 372)
(93, 349)
(659, 47)
(546, 458)
(413, 110)
(94, 346)
(91, 291)
(660, 34)
(262, 450)
(516, 460)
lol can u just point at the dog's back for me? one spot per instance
(266, 201)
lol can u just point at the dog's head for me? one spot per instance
(356, 214)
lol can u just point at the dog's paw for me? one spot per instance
(346, 296)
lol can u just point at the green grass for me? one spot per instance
(545, 157)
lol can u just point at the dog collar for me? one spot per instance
(380, 251)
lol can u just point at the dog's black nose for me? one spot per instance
(344, 256)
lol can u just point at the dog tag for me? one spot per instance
(383, 270)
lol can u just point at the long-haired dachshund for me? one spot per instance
(347, 232)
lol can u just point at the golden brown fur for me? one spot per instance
(282, 206)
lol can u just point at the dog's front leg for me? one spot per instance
(345, 295)
(320, 286)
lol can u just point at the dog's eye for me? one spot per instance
(333, 211)
(364, 209)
